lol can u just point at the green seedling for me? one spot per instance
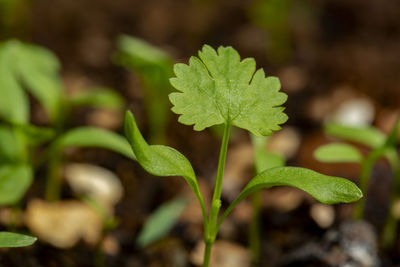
(381, 146)
(161, 221)
(263, 160)
(28, 68)
(24, 147)
(14, 240)
(154, 69)
(219, 88)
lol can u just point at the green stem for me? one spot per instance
(366, 169)
(207, 253)
(53, 179)
(390, 228)
(254, 230)
(211, 230)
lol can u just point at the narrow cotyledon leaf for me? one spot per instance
(326, 189)
(161, 160)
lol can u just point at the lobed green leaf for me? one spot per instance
(338, 152)
(161, 221)
(325, 189)
(14, 240)
(217, 87)
(14, 182)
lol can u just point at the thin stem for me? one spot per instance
(207, 253)
(211, 228)
(366, 169)
(53, 182)
(216, 201)
(390, 228)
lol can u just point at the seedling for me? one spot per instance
(381, 146)
(24, 147)
(35, 69)
(219, 88)
(153, 66)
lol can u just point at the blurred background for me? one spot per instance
(337, 60)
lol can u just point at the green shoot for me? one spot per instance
(219, 88)
(154, 69)
(161, 221)
(381, 146)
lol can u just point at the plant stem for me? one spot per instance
(390, 228)
(53, 182)
(211, 230)
(366, 169)
(254, 230)
(207, 253)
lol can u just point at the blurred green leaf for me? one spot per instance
(139, 54)
(9, 145)
(338, 152)
(98, 98)
(14, 181)
(325, 189)
(264, 159)
(38, 70)
(95, 137)
(160, 160)
(365, 135)
(14, 105)
(393, 138)
(218, 87)
(30, 67)
(14, 240)
(154, 68)
(161, 221)
(35, 135)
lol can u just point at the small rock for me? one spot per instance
(63, 223)
(323, 215)
(98, 182)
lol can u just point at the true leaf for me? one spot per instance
(338, 152)
(325, 189)
(95, 137)
(161, 221)
(364, 135)
(160, 160)
(14, 181)
(219, 88)
(14, 240)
